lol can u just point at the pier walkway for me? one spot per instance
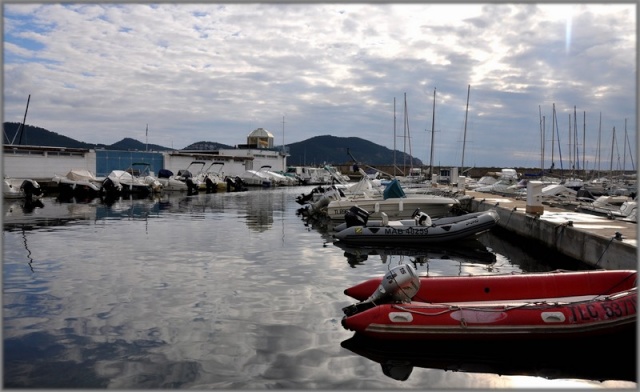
(595, 240)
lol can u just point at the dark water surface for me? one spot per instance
(230, 291)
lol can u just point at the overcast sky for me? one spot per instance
(215, 72)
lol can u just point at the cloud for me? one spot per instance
(216, 71)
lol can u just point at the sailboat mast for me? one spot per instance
(553, 134)
(629, 144)
(408, 137)
(584, 140)
(433, 131)
(599, 143)
(541, 140)
(571, 149)
(464, 138)
(21, 128)
(404, 160)
(624, 148)
(283, 137)
(558, 136)
(613, 140)
(576, 158)
(394, 136)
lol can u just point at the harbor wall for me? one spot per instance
(599, 249)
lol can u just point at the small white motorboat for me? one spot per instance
(392, 201)
(21, 188)
(78, 183)
(256, 178)
(120, 182)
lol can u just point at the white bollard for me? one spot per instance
(461, 185)
(534, 198)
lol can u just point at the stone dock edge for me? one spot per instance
(595, 240)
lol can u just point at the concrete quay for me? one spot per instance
(595, 240)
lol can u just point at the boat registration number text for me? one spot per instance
(408, 231)
(604, 310)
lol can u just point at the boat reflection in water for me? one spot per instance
(596, 359)
(465, 251)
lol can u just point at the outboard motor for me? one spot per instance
(211, 186)
(110, 188)
(399, 284)
(356, 216)
(31, 189)
(192, 188)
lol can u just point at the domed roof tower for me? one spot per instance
(261, 138)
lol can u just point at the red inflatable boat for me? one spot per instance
(559, 304)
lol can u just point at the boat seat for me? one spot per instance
(384, 221)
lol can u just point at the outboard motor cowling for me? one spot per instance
(31, 189)
(356, 216)
(399, 284)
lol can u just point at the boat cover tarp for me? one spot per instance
(164, 173)
(80, 174)
(393, 190)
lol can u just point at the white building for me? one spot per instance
(42, 163)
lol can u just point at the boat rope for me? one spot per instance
(561, 226)
(606, 248)
(510, 215)
(529, 305)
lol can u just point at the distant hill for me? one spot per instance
(206, 146)
(318, 150)
(332, 149)
(128, 144)
(39, 136)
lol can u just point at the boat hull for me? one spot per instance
(21, 188)
(395, 208)
(567, 305)
(408, 233)
(79, 188)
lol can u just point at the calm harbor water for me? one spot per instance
(228, 291)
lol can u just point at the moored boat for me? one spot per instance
(120, 182)
(171, 182)
(392, 201)
(421, 229)
(560, 304)
(78, 183)
(21, 188)
(256, 178)
(211, 181)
